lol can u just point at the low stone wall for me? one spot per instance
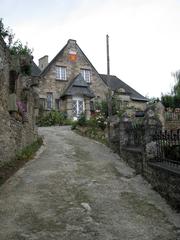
(164, 180)
(134, 140)
(14, 137)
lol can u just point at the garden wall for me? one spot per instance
(16, 131)
(138, 149)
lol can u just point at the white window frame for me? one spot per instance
(77, 99)
(86, 73)
(61, 73)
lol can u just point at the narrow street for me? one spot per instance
(78, 189)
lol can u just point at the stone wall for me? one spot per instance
(15, 132)
(140, 154)
(163, 180)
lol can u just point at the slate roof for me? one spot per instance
(116, 83)
(35, 71)
(78, 86)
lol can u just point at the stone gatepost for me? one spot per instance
(152, 124)
(123, 137)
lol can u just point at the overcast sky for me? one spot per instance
(144, 35)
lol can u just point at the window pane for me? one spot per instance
(74, 108)
(80, 107)
(86, 74)
(49, 100)
(61, 73)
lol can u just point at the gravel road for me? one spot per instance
(78, 189)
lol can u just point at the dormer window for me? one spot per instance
(61, 73)
(86, 73)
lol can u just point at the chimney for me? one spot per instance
(71, 41)
(43, 62)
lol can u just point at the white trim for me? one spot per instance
(77, 98)
(86, 73)
(60, 75)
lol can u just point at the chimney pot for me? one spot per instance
(43, 62)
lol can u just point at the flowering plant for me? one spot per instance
(99, 119)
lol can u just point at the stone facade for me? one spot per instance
(50, 84)
(17, 130)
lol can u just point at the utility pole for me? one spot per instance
(109, 98)
(108, 62)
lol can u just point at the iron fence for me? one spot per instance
(168, 147)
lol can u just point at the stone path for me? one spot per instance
(78, 189)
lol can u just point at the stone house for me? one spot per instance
(70, 83)
(18, 104)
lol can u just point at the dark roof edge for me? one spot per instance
(140, 98)
(144, 99)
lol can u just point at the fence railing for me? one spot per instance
(168, 147)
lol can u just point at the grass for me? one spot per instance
(23, 156)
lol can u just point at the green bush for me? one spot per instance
(92, 122)
(74, 125)
(68, 122)
(82, 120)
(51, 118)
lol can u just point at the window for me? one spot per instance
(42, 103)
(86, 75)
(61, 73)
(49, 100)
(57, 104)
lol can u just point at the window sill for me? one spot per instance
(61, 80)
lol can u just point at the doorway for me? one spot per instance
(77, 107)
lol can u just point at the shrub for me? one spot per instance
(74, 125)
(67, 122)
(82, 120)
(51, 118)
(99, 119)
(92, 122)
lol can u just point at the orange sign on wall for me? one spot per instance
(72, 56)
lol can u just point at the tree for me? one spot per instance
(21, 53)
(6, 33)
(176, 88)
(173, 100)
